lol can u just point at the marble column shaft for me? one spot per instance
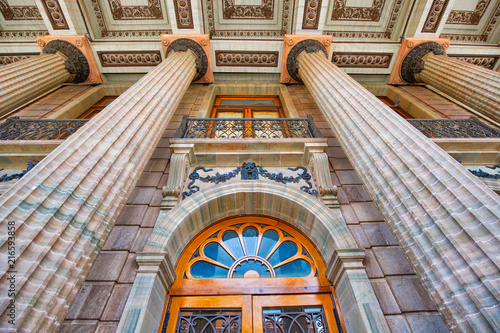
(446, 220)
(24, 80)
(65, 207)
(475, 86)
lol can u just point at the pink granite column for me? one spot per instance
(22, 81)
(64, 209)
(446, 220)
(475, 86)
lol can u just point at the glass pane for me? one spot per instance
(269, 239)
(294, 319)
(265, 114)
(250, 268)
(230, 238)
(229, 114)
(285, 250)
(250, 235)
(209, 321)
(205, 270)
(296, 268)
(216, 252)
(247, 102)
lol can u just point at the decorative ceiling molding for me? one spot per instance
(435, 15)
(23, 33)
(486, 61)
(342, 12)
(286, 22)
(129, 58)
(9, 58)
(152, 11)
(468, 17)
(101, 24)
(183, 14)
(483, 37)
(55, 14)
(14, 13)
(312, 11)
(263, 11)
(396, 10)
(362, 59)
(247, 58)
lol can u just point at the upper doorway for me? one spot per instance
(251, 274)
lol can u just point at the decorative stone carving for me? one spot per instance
(128, 59)
(55, 14)
(309, 46)
(232, 11)
(6, 58)
(22, 33)
(435, 15)
(247, 58)
(184, 44)
(312, 11)
(15, 13)
(413, 62)
(179, 169)
(76, 63)
(362, 59)
(468, 17)
(342, 12)
(152, 11)
(486, 61)
(183, 14)
(320, 170)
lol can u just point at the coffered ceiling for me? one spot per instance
(247, 35)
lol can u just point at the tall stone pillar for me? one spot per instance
(60, 62)
(475, 86)
(63, 210)
(446, 220)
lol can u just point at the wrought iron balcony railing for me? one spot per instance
(454, 128)
(241, 128)
(39, 129)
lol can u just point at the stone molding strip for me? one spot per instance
(9, 58)
(183, 14)
(247, 58)
(129, 58)
(55, 14)
(312, 11)
(362, 59)
(487, 61)
(435, 15)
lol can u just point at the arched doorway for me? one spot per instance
(251, 274)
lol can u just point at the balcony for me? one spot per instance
(39, 129)
(454, 128)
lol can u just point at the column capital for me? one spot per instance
(198, 44)
(293, 46)
(81, 62)
(409, 60)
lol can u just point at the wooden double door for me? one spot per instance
(252, 313)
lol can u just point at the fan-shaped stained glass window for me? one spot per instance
(250, 250)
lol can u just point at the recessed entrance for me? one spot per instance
(251, 274)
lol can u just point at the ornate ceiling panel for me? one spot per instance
(261, 19)
(366, 19)
(473, 21)
(21, 21)
(117, 19)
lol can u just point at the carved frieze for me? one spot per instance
(386, 34)
(22, 33)
(468, 17)
(151, 11)
(232, 10)
(435, 15)
(183, 14)
(362, 59)
(312, 10)
(13, 13)
(342, 12)
(247, 58)
(9, 58)
(55, 14)
(128, 59)
(486, 61)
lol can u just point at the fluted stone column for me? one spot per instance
(446, 220)
(64, 209)
(475, 86)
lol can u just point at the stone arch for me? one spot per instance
(324, 227)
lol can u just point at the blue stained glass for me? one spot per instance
(216, 252)
(230, 238)
(205, 270)
(250, 237)
(269, 239)
(284, 251)
(251, 265)
(296, 268)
